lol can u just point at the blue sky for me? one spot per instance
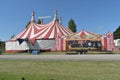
(98, 16)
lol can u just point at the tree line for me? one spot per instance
(116, 33)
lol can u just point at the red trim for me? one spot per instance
(105, 43)
(46, 39)
(15, 51)
(11, 41)
(62, 44)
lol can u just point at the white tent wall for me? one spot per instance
(15, 46)
(117, 42)
(44, 44)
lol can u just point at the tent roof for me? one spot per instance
(84, 34)
(43, 31)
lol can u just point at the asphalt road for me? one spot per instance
(97, 57)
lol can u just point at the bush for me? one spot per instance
(0, 52)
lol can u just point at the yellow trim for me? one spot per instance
(98, 39)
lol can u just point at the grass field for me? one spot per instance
(59, 70)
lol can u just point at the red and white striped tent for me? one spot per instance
(38, 36)
(46, 31)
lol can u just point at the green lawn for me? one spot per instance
(59, 70)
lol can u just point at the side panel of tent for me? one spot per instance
(117, 42)
(44, 44)
(105, 43)
(108, 43)
(14, 46)
(59, 44)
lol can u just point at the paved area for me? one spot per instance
(98, 57)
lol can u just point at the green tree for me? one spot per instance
(72, 25)
(39, 21)
(116, 33)
(2, 46)
(28, 24)
(12, 36)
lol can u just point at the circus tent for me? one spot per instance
(53, 36)
(107, 40)
(48, 31)
(39, 36)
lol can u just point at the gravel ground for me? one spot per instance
(96, 57)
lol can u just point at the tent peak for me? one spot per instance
(56, 15)
(33, 17)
